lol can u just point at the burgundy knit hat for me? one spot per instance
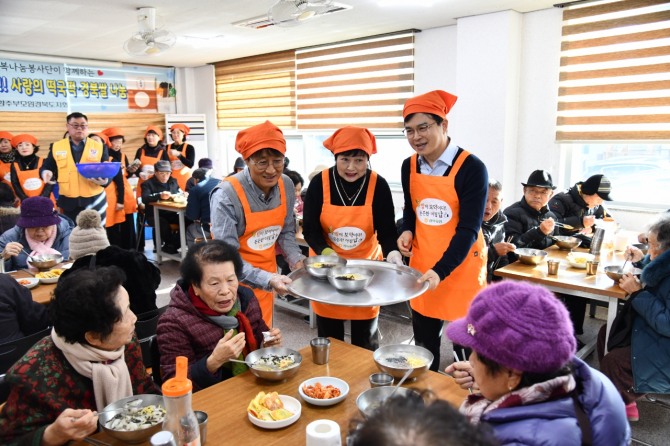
(37, 212)
(520, 326)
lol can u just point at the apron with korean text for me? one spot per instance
(115, 217)
(436, 206)
(257, 244)
(180, 172)
(30, 180)
(5, 173)
(350, 232)
(147, 165)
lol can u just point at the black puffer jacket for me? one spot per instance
(494, 232)
(523, 225)
(570, 209)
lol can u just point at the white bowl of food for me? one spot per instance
(50, 276)
(28, 282)
(579, 259)
(272, 411)
(323, 390)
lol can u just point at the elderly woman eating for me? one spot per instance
(530, 387)
(90, 360)
(639, 364)
(210, 320)
(38, 231)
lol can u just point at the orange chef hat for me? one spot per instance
(183, 127)
(6, 135)
(113, 132)
(104, 138)
(155, 129)
(259, 137)
(437, 102)
(24, 137)
(351, 138)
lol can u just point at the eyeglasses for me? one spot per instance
(264, 164)
(538, 191)
(78, 126)
(421, 129)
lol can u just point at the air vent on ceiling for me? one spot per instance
(264, 21)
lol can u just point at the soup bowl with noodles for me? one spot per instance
(398, 358)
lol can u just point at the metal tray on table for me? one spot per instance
(390, 285)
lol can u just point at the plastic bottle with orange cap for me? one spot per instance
(180, 419)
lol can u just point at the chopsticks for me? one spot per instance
(464, 359)
(564, 226)
(495, 264)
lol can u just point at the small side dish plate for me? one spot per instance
(324, 381)
(28, 282)
(291, 404)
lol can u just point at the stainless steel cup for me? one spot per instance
(552, 267)
(591, 267)
(202, 424)
(380, 379)
(320, 350)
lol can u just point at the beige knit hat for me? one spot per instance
(88, 237)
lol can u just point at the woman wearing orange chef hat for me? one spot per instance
(253, 209)
(182, 155)
(7, 155)
(149, 154)
(349, 211)
(25, 170)
(445, 189)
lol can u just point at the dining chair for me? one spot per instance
(12, 351)
(145, 329)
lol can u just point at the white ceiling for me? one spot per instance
(97, 29)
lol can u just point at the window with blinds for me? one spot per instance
(253, 89)
(615, 72)
(363, 82)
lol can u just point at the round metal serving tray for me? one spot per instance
(391, 284)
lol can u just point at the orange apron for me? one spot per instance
(115, 217)
(30, 180)
(436, 205)
(4, 173)
(180, 172)
(146, 161)
(257, 244)
(350, 242)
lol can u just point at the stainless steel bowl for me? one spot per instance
(318, 266)
(530, 256)
(371, 399)
(273, 375)
(615, 273)
(567, 242)
(342, 278)
(389, 359)
(642, 247)
(138, 436)
(45, 261)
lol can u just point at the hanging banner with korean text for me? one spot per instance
(52, 87)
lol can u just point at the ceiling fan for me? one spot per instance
(149, 40)
(293, 12)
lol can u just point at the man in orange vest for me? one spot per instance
(253, 209)
(445, 190)
(76, 193)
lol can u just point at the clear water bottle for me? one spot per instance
(597, 241)
(180, 419)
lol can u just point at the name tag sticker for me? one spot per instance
(347, 238)
(434, 212)
(264, 238)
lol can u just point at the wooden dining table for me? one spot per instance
(180, 210)
(226, 403)
(574, 281)
(43, 291)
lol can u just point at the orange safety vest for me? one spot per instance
(257, 244)
(180, 172)
(115, 217)
(146, 161)
(30, 180)
(350, 232)
(5, 173)
(70, 183)
(436, 206)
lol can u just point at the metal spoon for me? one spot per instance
(402, 380)
(31, 258)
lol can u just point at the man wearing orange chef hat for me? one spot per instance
(445, 190)
(181, 154)
(349, 211)
(253, 209)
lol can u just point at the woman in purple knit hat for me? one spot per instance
(527, 383)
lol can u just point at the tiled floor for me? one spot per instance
(395, 328)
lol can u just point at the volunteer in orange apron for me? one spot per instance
(182, 155)
(121, 201)
(76, 193)
(149, 154)
(445, 190)
(7, 155)
(25, 170)
(349, 211)
(253, 209)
